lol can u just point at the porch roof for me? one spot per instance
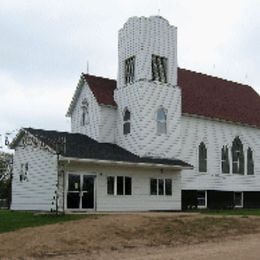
(79, 146)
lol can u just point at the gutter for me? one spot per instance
(123, 163)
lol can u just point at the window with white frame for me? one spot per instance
(159, 186)
(224, 160)
(119, 185)
(238, 161)
(159, 68)
(24, 168)
(202, 157)
(161, 118)
(201, 199)
(127, 122)
(84, 112)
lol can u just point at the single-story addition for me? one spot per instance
(73, 172)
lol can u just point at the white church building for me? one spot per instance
(158, 138)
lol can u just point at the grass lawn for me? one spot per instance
(13, 220)
(226, 212)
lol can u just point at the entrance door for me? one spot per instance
(80, 193)
(87, 192)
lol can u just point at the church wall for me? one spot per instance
(143, 99)
(140, 200)
(91, 128)
(37, 190)
(107, 124)
(215, 134)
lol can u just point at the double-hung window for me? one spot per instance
(119, 185)
(159, 186)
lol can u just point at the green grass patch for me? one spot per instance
(232, 212)
(13, 220)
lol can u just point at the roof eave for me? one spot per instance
(219, 120)
(124, 163)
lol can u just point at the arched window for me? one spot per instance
(84, 112)
(202, 157)
(224, 160)
(127, 122)
(250, 162)
(237, 157)
(161, 119)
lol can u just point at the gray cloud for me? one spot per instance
(45, 45)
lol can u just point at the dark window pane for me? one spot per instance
(225, 160)
(238, 199)
(127, 115)
(201, 198)
(73, 200)
(110, 185)
(168, 187)
(238, 157)
(74, 182)
(159, 68)
(161, 187)
(153, 186)
(202, 158)
(120, 185)
(128, 186)
(130, 70)
(250, 162)
(126, 128)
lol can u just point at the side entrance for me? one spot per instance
(80, 192)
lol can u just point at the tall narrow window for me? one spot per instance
(130, 70)
(250, 162)
(161, 118)
(159, 68)
(224, 160)
(237, 157)
(84, 112)
(127, 123)
(202, 157)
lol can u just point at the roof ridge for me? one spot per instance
(100, 77)
(216, 77)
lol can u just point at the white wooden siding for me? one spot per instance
(93, 121)
(36, 193)
(107, 124)
(215, 134)
(140, 200)
(143, 99)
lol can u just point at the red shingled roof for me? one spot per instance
(202, 95)
(102, 88)
(218, 98)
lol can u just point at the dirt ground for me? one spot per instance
(138, 236)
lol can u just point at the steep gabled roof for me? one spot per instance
(202, 95)
(102, 89)
(213, 97)
(81, 146)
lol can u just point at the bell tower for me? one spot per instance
(145, 42)
(147, 85)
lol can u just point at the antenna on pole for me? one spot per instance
(87, 67)
(159, 6)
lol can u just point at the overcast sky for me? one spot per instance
(45, 45)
